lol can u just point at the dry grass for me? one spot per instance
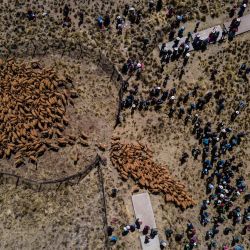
(68, 218)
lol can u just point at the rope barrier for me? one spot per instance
(80, 175)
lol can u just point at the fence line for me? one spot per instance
(108, 66)
(40, 183)
(77, 50)
(43, 47)
(104, 206)
(116, 77)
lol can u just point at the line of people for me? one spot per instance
(198, 42)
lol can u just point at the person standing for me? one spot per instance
(138, 223)
(196, 26)
(145, 230)
(242, 10)
(146, 241)
(153, 233)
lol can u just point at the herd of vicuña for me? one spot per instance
(32, 111)
(135, 160)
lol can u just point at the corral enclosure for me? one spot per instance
(71, 141)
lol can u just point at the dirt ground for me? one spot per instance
(72, 217)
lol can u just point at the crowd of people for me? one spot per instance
(132, 67)
(220, 173)
(216, 141)
(221, 186)
(130, 13)
(157, 98)
(181, 47)
(147, 232)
